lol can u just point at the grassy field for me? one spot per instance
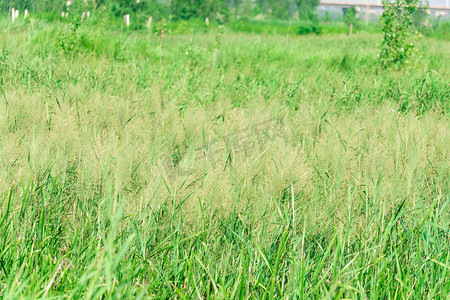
(220, 166)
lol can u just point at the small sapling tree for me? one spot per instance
(397, 21)
(350, 18)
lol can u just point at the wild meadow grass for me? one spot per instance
(220, 166)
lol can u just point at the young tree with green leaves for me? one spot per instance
(281, 9)
(188, 9)
(397, 21)
(307, 9)
(350, 18)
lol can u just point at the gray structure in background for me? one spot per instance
(370, 10)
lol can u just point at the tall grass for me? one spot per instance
(347, 198)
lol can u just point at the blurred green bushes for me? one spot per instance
(110, 17)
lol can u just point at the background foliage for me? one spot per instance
(176, 9)
(108, 189)
(350, 200)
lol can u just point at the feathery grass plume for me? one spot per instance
(357, 184)
(207, 21)
(219, 35)
(83, 16)
(126, 19)
(149, 22)
(68, 3)
(13, 14)
(67, 14)
(17, 14)
(25, 13)
(62, 14)
(88, 14)
(161, 45)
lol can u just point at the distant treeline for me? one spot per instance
(218, 10)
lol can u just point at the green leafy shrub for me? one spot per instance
(397, 21)
(276, 27)
(350, 17)
(309, 27)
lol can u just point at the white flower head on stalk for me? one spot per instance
(149, 22)
(207, 21)
(88, 14)
(126, 19)
(67, 14)
(26, 13)
(83, 15)
(68, 3)
(137, 1)
(62, 15)
(13, 15)
(17, 14)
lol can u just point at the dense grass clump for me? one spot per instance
(220, 165)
